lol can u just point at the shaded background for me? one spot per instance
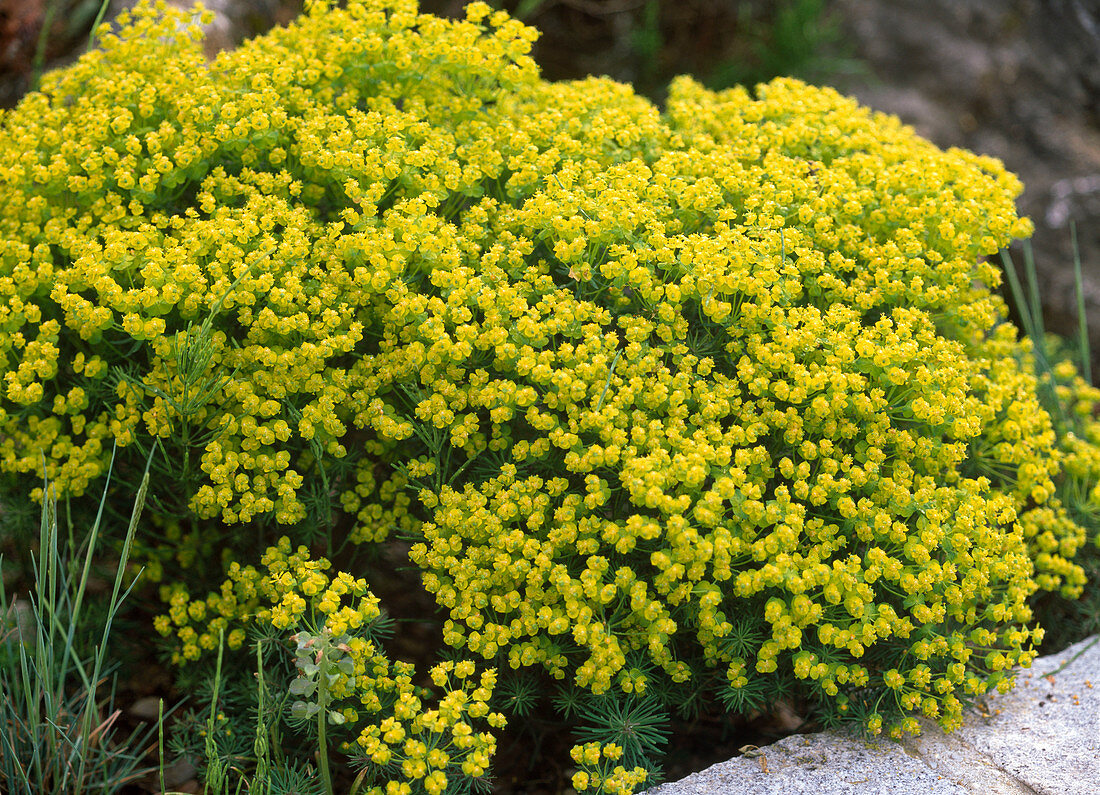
(1016, 79)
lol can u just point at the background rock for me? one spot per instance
(1043, 738)
(1016, 79)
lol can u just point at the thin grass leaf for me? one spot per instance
(610, 373)
(1082, 318)
(160, 744)
(100, 653)
(1033, 288)
(93, 536)
(1031, 317)
(54, 739)
(40, 46)
(1018, 296)
(98, 21)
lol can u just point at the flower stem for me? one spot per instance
(322, 720)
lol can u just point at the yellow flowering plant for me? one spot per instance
(714, 399)
(1059, 527)
(338, 684)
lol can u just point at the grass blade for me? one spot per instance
(1033, 290)
(1082, 318)
(112, 609)
(1032, 319)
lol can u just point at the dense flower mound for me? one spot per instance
(719, 395)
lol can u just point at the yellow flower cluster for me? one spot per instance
(291, 589)
(636, 380)
(1056, 531)
(600, 771)
(761, 362)
(433, 746)
(412, 744)
(278, 194)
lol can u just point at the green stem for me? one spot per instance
(1072, 659)
(215, 769)
(322, 720)
(40, 45)
(261, 780)
(160, 743)
(1082, 318)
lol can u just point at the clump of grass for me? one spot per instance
(1074, 412)
(58, 720)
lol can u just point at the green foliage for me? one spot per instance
(730, 44)
(57, 718)
(1063, 368)
(638, 725)
(228, 767)
(519, 693)
(796, 38)
(709, 404)
(74, 18)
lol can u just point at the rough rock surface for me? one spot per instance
(1016, 79)
(1042, 738)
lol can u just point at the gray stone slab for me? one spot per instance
(1043, 738)
(1046, 732)
(950, 756)
(818, 764)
